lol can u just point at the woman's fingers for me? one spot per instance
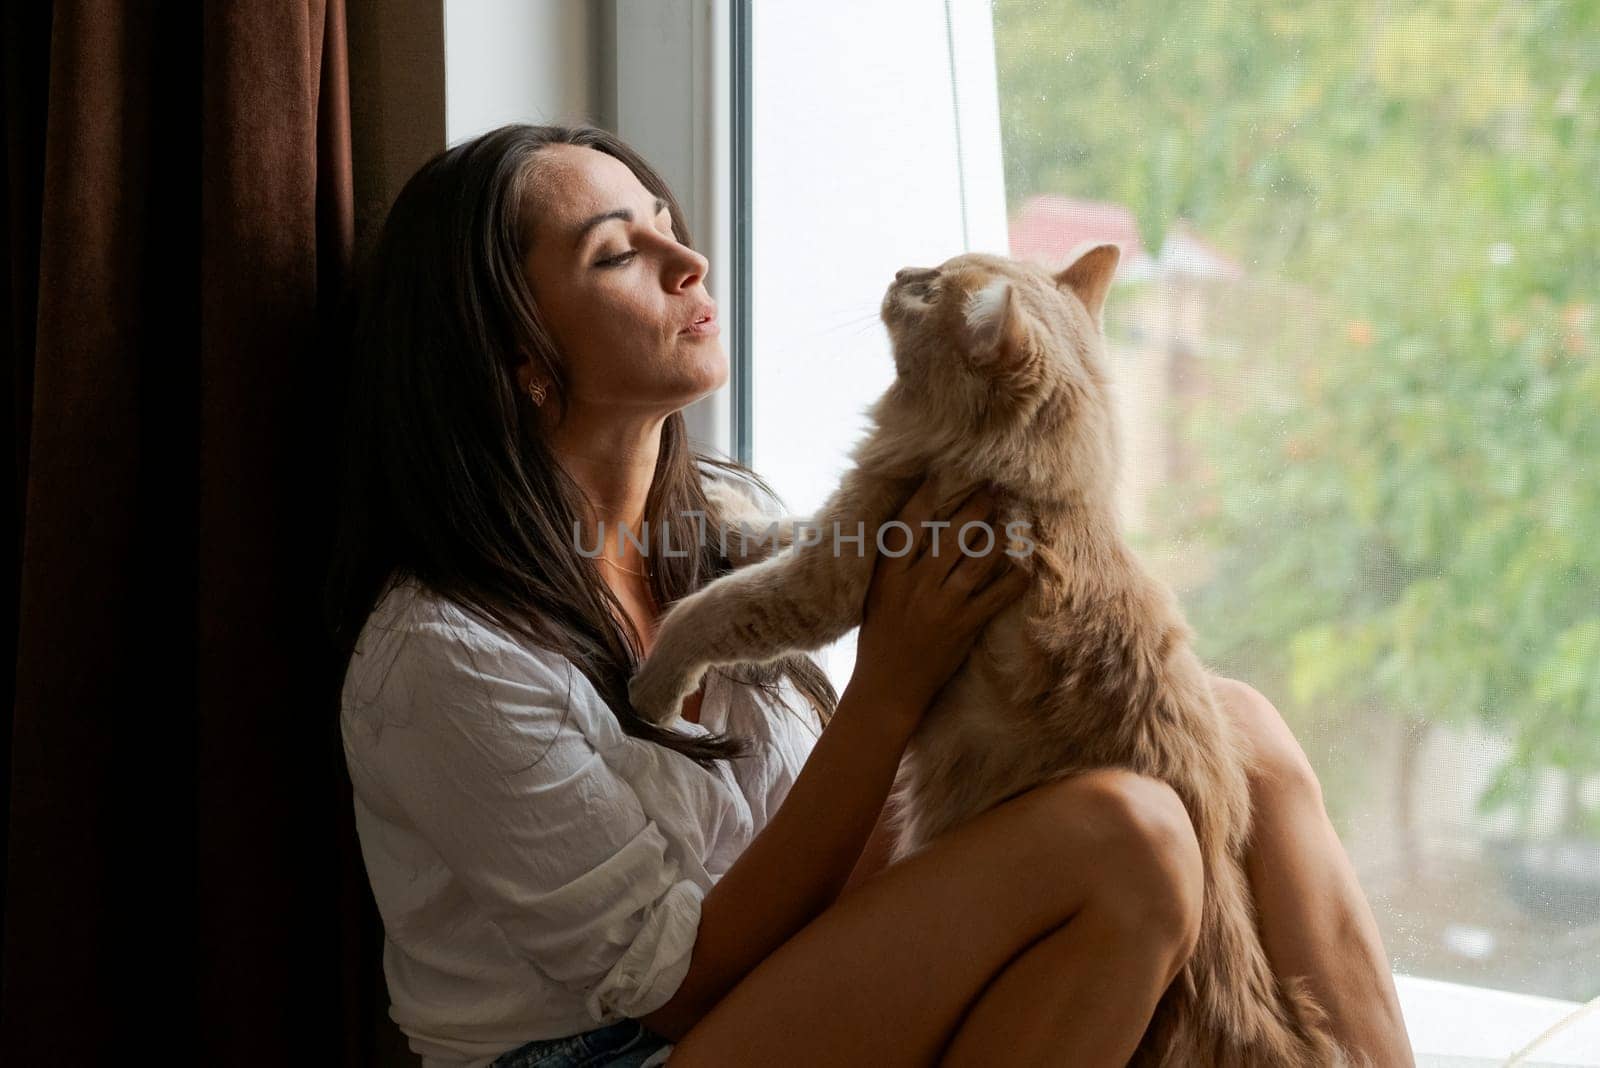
(970, 549)
(997, 560)
(939, 529)
(920, 506)
(1000, 591)
(921, 512)
(961, 498)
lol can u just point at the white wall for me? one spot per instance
(518, 61)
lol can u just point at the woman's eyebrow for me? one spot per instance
(625, 214)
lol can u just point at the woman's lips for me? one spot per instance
(708, 328)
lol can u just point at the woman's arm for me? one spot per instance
(802, 859)
(1314, 917)
(875, 856)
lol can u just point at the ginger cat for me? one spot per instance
(1002, 377)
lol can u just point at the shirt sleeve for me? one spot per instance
(481, 748)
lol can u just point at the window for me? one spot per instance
(1357, 340)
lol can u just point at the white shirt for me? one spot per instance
(539, 873)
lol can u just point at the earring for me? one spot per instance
(536, 392)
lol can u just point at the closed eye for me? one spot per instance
(624, 257)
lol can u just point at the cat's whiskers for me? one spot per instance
(856, 322)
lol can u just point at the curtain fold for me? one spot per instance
(181, 869)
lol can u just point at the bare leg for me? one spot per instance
(1046, 1003)
(1314, 919)
(886, 974)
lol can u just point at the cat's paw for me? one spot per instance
(658, 690)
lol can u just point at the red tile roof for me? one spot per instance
(1048, 228)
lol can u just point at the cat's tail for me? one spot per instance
(1227, 1008)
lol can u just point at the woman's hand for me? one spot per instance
(925, 608)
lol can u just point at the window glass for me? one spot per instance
(1357, 333)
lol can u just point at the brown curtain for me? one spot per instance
(181, 874)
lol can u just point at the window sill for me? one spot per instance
(1456, 1026)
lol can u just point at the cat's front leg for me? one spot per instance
(672, 672)
(803, 599)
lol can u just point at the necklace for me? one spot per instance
(626, 571)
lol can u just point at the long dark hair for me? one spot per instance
(446, 478)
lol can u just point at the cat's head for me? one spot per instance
(1007, 357)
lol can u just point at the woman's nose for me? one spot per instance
(692, 269)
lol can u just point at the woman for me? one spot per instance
(562, 882)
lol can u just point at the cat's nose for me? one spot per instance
(913, 274)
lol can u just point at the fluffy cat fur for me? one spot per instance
(1002, 377)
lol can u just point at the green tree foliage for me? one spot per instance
(1407, 518)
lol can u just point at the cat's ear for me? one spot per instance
(1089, 277)
(995, 331)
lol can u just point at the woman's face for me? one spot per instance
(618, 293)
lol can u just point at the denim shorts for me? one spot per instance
(626, 1044)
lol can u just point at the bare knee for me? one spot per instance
(1149, 876)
